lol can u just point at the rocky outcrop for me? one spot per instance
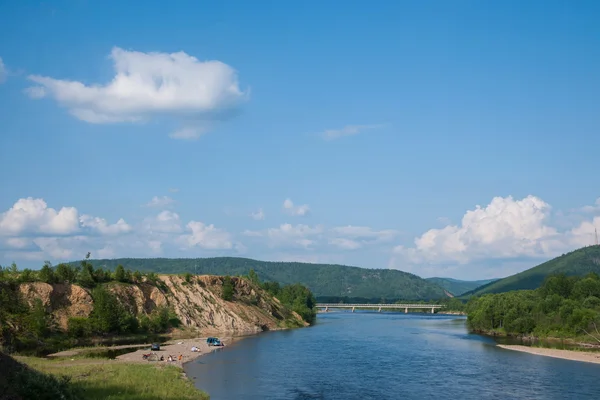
(197, 303)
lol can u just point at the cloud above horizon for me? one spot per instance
(291, 209)
(502, 237)
(196, 94)
(505, 229)
(157, 201)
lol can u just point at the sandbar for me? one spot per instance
(583, 356)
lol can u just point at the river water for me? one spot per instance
(370, 355)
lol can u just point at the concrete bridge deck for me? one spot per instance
(379, 307)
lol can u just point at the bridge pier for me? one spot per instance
(432, 310)
(352, 309)
(326, 309)
(406, 310)
(379, 309)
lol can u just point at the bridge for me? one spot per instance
(379, 307)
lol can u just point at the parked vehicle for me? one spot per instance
(213, 341)
(155, 347)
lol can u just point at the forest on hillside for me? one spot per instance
(30, 326)
(563, 307)
(322, 279)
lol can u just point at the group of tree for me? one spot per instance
(564, 306)
(83, 274)
(296, 297)
(322, 279)
(24, 325)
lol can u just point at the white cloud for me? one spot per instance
(348, 130)
(160, 201)
(250, 233)
(101, 226)
(593, 208)
(34, 216)
(176, 85)
(258, 215)
(354, 237)
(165, 222)
(35, 92)
(3, 71)
(291, 209)
(298, 235)
(505, 228)
(206, 237)
(346, 244)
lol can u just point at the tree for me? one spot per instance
(66, 273)
(137, 276)
(227, 290)
(120, 273)
(253, 277)
(47, 273)
(38, 319)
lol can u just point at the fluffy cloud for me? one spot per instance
(100, 225)
(348, 130)
(3, 72)
(165, 222)
(258, 215)
(505, 228)
(206, 237)
(290, 235)
(593, 208)
(31, 215)
(318, 236)
(291, 209)
(177, 85)
(159, 202)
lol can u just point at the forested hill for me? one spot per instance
(458, 287)
(576, 263)
(321, 279)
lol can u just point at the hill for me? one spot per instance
(458, 287)
(322, 279)
(576, 263)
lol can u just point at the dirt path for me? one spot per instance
(74, 352)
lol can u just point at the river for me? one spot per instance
(370, 355)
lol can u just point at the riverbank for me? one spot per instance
(181, 348)
(573, 355)
(91, 378)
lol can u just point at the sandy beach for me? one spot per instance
(584, 356)
(175, 348)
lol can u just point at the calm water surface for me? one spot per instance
(369, 355)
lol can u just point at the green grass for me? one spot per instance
(111, 380)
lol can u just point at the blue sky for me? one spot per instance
(385, 125)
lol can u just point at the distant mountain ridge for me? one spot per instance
(458, 287)
(576, 263)
(321, 279)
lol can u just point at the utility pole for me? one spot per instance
(596, 233)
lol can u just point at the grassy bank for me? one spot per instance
(108, 379)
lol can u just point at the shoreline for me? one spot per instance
(571, 355)
(180, 347)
